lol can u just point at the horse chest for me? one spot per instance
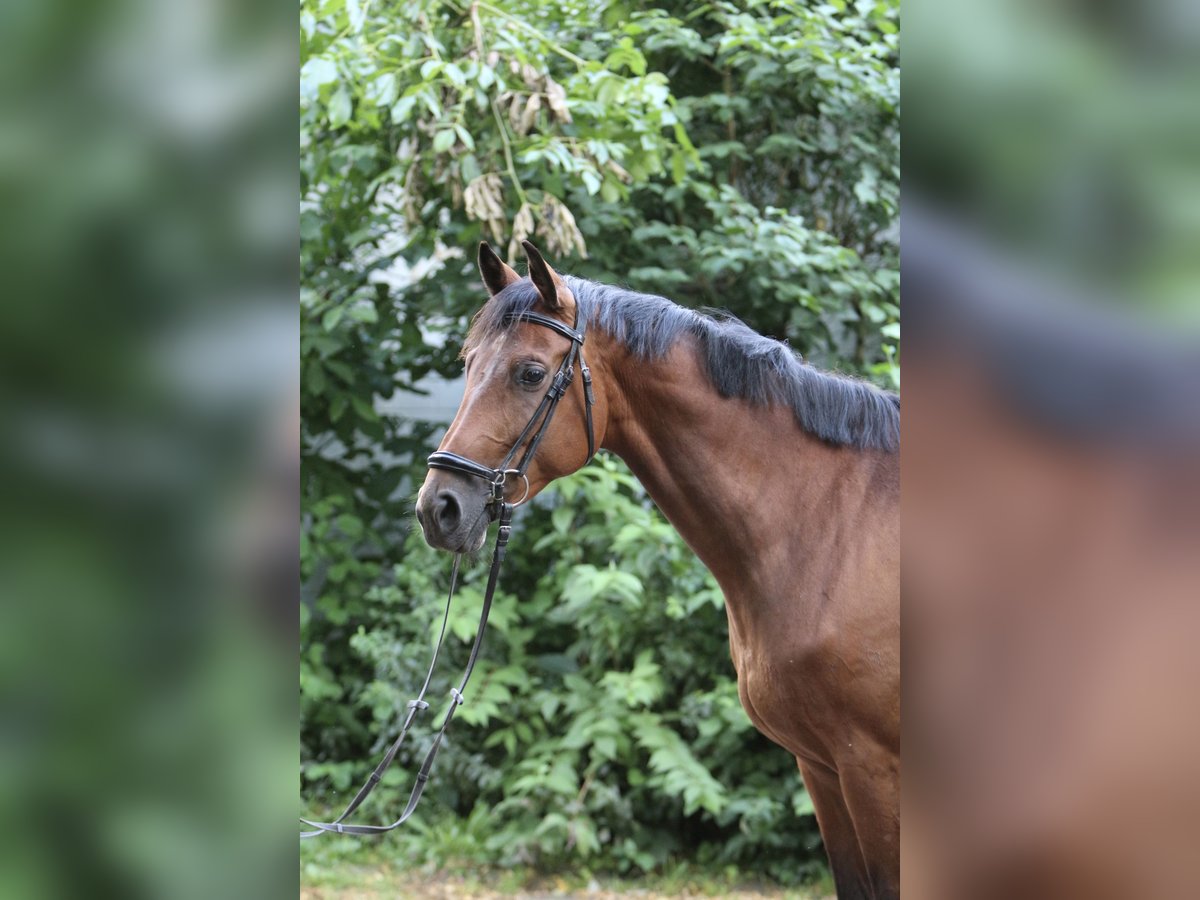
(781, 696)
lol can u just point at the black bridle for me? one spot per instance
(498, 509)
(498, 477)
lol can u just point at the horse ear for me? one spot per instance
(554, 291)
(497, 275)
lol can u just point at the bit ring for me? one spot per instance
(500, 483)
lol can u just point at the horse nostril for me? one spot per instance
(447, 511)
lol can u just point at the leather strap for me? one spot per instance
(566, 331)
(498, 508)
(339, 825)
(444, 459)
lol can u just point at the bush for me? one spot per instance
(602, 722)
(734, 156)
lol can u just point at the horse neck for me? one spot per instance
(752, 494)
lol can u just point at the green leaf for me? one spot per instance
(561, 518)
(364, 408)
(678, 167)
(318, 71)
(455, 74)
(609, 191)
(443, 141)
(310, 226)
(403, 109)
(339, 107)
(469, 167)
(355, 14)
(385, 89)
(337, 407)
(365, 313)
(350, 526)
(314, 379)
(802, 804)
(562, 779)
(465, 137)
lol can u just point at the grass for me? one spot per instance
(344, 868)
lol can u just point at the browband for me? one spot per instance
(554, 324)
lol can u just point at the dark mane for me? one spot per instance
(740, 362)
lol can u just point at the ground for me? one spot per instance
(437, 865)
(369, 882)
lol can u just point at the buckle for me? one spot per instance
(587, 381)
(559, 386)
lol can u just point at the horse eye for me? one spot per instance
(531, 376)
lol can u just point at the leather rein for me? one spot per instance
(498, 509)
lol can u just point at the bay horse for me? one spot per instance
(784, 480)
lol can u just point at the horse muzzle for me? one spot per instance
(453, 517)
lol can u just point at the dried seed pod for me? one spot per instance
(529, 116)
(412, 200)
(522, 228)
(556, 99)
(559, 230)
(483, 200)
(617, 169)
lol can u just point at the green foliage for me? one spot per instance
(740, 156)
(586, 734)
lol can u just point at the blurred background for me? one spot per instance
(741, 156)
(147, 452)
(1050, 466)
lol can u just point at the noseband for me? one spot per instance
(498, 477)
(498, 508)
